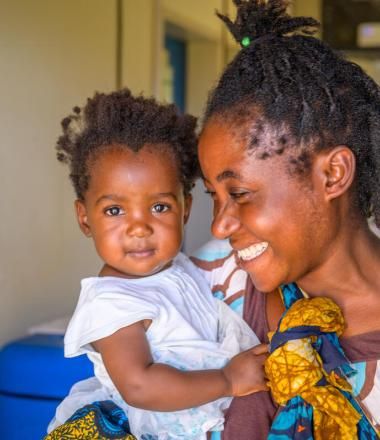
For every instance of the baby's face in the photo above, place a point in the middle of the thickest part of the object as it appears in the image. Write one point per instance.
(135, 210)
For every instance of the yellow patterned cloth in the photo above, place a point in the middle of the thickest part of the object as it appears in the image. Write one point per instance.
(296, 369)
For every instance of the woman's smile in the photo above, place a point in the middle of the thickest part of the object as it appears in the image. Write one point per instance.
(252, 252)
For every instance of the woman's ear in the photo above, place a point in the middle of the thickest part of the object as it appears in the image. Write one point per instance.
(337, 169)
(81, 213)
(187, 208)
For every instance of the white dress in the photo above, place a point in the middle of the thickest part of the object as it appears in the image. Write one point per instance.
(190, 330)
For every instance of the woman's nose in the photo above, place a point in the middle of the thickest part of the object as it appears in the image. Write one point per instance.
(225, 223)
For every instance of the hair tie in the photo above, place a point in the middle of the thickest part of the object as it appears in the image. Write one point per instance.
(247, 41)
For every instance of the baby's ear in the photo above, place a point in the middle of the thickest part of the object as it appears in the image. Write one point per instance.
(187, 209)
(81, 212)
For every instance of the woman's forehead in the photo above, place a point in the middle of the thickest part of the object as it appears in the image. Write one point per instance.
(224, 157)
(252, 137)
(256, 147)
(217, 136)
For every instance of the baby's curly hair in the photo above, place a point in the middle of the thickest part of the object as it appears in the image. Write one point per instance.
(119, 118)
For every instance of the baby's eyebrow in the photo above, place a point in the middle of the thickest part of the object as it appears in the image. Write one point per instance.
(109, 197)
(119, 198)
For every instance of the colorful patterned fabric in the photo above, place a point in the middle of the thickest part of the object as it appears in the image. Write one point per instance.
(308, 371)
(218, 265)
(228, 282)
(100, 420)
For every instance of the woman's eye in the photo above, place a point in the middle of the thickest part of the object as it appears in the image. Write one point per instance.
(114, 211)
(238, 195)
(159, 208)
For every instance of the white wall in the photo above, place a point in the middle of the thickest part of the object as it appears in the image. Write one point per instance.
(205, 59)
(53, 54)
(138, 43)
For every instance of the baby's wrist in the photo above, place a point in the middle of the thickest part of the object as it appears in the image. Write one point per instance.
(229, 392)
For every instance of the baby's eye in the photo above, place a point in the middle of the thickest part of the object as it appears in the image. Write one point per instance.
(159, 208)
(210, 193)
(114, 211)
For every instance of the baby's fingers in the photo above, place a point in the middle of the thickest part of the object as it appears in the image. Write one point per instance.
(260, 349)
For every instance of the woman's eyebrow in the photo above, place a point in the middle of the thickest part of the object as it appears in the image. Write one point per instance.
(227, 174)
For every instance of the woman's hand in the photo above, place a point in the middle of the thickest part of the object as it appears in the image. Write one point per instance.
(245, 371)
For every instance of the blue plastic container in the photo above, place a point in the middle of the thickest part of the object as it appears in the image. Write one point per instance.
(34, 378)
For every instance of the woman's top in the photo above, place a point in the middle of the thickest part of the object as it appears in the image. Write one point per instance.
(250, 417)
(189, 330)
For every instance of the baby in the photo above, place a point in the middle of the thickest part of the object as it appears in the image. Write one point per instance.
(164, 349)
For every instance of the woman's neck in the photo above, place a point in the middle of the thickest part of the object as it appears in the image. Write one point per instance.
(350, 277)
(350, 268)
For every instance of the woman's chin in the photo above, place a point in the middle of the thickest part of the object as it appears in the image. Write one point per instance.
(265, 283)
(264, 287)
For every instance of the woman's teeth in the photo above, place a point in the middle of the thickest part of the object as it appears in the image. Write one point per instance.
(252, 251)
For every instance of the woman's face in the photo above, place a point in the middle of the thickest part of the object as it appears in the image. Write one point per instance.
(275, 220)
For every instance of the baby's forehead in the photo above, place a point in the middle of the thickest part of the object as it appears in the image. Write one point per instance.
(119, 163)
(144, 155)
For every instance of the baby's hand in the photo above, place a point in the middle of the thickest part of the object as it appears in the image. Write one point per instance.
(245, 371)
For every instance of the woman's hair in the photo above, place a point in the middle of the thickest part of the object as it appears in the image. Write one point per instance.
(129, 122)
(310, 95)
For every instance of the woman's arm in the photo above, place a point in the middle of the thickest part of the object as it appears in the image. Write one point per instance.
(144, 384)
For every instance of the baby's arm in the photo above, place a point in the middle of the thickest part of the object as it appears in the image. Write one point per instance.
(144, 384)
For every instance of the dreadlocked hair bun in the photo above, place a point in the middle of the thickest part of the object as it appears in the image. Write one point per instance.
(259, 18)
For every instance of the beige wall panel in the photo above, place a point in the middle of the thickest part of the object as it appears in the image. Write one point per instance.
(199, 82)
(195, 15)
(308, 8)
(138, 45)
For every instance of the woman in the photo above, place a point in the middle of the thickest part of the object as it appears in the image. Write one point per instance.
(290, 154)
